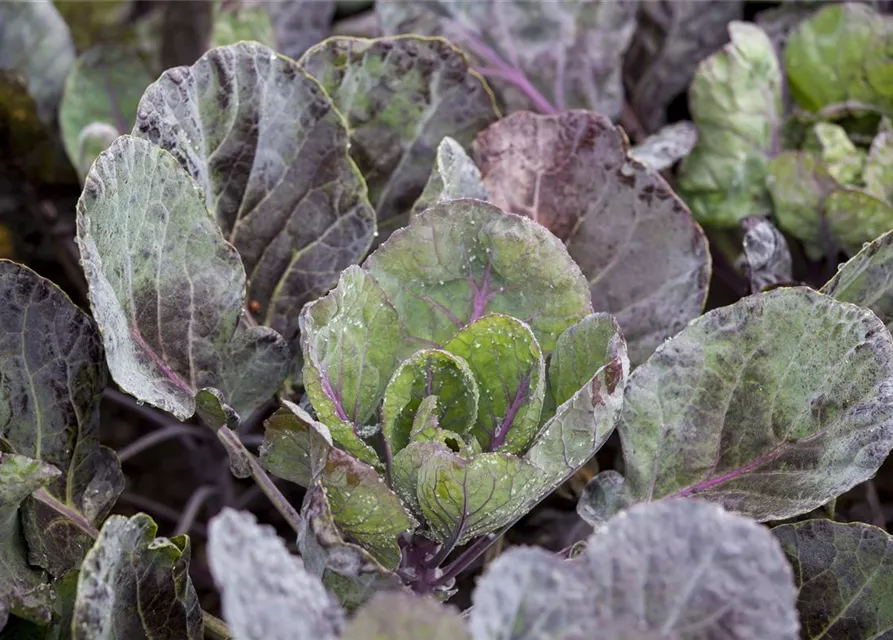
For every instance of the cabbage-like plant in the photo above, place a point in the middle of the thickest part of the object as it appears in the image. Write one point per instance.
(454, 380)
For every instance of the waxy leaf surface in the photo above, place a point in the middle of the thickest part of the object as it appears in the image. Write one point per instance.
(53, 374)
(400, 616)
(844, 573)
(645, 259)
(166, 288)
(771, 406)
(134, 585)
(767, 259)
(666, 147)
(400, 97)
(267, 594)
(463, 259)
(269, 150)
(295, 445)
(454, 176)
(867, 279)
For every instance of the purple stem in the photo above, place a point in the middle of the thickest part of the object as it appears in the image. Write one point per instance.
(503, 429)
(177, 380)
(329, 391)
(481, 294)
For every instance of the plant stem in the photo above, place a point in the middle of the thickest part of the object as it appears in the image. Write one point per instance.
(236, 447)
(73, 515)
(157, 437)
(215, 628)
(192, 508)
(472, 553)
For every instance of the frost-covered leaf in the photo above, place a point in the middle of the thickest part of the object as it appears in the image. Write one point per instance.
(167, 289)
(670, 41)
(24, 590)
(845, 576)
(463, 259)
(855, 217)
(735, 101)
(268, 148)
(767, 260)
(799, 184)
(266, 592)
(295, 445)
(134, 585)
(645, 259)
(103, 88)
(454, 176)
(867, 279)
(300, 24)
(462, 499)
(606, 495)
(53, 374)
(839, 55)
(400, 616)
(511, 373)
(878, 172)
(429, 372)
(237, 20)
(351, 339)
(771, 406)
(346, 569)
(35, 42)
(400, 97)
(666, 147)
(839, 154)
(570, 52)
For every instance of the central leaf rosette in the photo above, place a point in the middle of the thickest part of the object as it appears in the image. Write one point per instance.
(457, 377)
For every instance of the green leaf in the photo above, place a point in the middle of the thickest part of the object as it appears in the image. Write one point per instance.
(167, 289)
(351, 340)
(241, 20)
(295, 445)
(406, 468)
(429, 372)
(454, 176)
(674, 569)
(666, 147)
(510, 370)
(463, 259)
(346, 569)
(799, 184)
(400, 616)
(767, 259)
(840, 156)
(867, 279)
(134, 585)
(735, 100)
(878, 172)
(645, 259)
(268, 148)
(103, 89)
(570, 52)
(400, 97)
(462, 499)
(266, 592)
(841, 55)
(670, 41)
(771, 406)
(856, 217)
(36, 43)
(24, 590)
(845, 576)
(53, 375)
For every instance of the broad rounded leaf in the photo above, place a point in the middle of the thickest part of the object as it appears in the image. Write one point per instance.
(103, 88)
(878, 172)
(400, 97)
(462, 499)
(671, 39)
(53, 374)
(511, 373)
(268, 148)
(400, 616)
(134, 585)
(346, 569)
(429, 372)
(867, 279)
(839, 154)
(645, 259)
(463, 259)
(736, 102)
(351, 339)
(838, 55)
(454, 176)
(855, 217)
(771, 406)
(767, 259)
(167, 289)
(266, 592)
(570, 53)
(845, 576)
(295, 445)
(35, 42)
